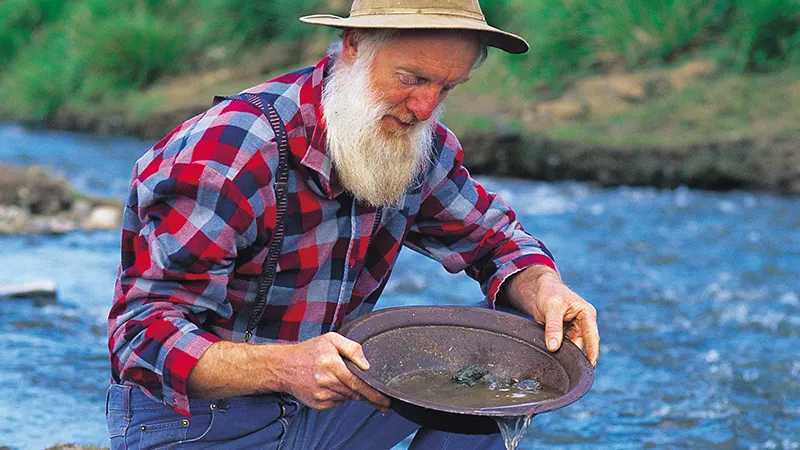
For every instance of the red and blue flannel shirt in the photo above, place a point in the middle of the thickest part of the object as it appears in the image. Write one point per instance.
(200, 214)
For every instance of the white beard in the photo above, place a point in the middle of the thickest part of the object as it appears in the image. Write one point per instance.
(375, 166)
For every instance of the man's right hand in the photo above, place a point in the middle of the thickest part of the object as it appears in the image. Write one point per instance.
(316, 375)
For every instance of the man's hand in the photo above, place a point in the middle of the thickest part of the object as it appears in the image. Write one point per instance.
(317, 376)
(539, 292)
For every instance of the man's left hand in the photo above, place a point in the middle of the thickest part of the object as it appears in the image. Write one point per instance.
(538, 291)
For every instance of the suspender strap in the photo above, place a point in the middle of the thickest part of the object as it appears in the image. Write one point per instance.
(264, 103)
(281, 190)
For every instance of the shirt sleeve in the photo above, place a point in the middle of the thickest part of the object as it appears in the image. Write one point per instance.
(464, 227)
(196, 201)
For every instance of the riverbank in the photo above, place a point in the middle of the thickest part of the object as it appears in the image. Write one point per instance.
(685, 126)
(34, 201)
(637, 136)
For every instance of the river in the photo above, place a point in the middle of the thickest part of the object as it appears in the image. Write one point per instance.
(698, 296)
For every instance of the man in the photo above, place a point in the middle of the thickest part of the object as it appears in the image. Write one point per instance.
(370, 169)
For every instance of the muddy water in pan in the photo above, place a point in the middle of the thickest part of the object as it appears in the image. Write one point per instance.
(437, 386)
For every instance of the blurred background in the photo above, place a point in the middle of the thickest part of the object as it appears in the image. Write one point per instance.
(653, 146)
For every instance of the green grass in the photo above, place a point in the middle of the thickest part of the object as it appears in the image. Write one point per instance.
(69, 53)
(19, 22)
(765, 34)
(572, 38)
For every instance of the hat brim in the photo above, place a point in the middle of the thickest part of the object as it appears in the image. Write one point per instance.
(494, 37)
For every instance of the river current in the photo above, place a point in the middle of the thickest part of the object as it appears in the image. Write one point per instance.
(698, 296)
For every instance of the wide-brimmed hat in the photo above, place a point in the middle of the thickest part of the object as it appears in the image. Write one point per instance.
(422, 14)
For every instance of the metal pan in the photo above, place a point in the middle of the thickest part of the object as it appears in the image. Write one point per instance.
(399, 341)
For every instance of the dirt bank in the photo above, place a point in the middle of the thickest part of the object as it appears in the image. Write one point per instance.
(770, 164)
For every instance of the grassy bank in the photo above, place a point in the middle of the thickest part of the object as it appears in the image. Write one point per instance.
(619, 76)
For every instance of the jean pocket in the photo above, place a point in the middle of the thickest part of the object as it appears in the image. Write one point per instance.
(167, 434)
(161, 435)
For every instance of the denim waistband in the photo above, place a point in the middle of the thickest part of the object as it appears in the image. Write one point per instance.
(130, 397)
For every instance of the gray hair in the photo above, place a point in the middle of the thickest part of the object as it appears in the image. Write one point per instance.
(372, 40)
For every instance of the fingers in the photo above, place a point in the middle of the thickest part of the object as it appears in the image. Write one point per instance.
(329, 386)
(554, 324)
(591, 335)
(364, 392)
(349, 349)
(359, 390)
(583, 332)
(578, 341)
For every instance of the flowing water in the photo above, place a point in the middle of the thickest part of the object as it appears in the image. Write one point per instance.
(697, 293)
(513, 429)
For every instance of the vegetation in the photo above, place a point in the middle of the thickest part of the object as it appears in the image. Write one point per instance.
(572, 38)
(57, 53)
(140, 57)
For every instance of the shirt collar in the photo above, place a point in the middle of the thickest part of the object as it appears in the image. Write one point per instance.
(317, 157)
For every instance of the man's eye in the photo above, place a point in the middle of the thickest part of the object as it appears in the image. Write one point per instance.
(409, 80)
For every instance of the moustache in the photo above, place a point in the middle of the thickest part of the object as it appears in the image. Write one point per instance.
(406, 117)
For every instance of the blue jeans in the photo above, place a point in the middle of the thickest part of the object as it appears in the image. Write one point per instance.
(274, 422)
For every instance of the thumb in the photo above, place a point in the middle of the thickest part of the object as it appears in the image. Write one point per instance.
(554, 327)
(351, 350)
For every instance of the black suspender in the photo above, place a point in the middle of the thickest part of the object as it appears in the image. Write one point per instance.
(281, 190)
(281, 203)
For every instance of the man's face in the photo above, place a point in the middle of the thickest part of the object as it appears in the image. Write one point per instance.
(414, 73)
(380, 104)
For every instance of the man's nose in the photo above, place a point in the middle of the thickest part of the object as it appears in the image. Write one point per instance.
(423, 102)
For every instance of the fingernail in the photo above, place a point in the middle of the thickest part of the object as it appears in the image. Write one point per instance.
(552, 344)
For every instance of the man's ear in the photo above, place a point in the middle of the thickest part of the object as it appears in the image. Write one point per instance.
(349, 46)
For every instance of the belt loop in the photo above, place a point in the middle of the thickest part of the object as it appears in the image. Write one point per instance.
(126, 401)
(287, 400)
(108, 397)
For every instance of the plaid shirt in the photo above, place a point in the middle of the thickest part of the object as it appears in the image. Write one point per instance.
(200, 215)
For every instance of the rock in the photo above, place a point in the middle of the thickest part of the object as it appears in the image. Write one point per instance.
(34, 189)
(615, 93)
(631, 88)
(794, 90)
(690, 73)
(39, 289)
(33, 201)
(13, 219)
(104, 218)
(560, 110)
(610, 62)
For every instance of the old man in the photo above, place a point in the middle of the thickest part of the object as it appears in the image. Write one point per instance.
(253, 231)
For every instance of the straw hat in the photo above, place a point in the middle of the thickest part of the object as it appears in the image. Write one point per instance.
(422, 14)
